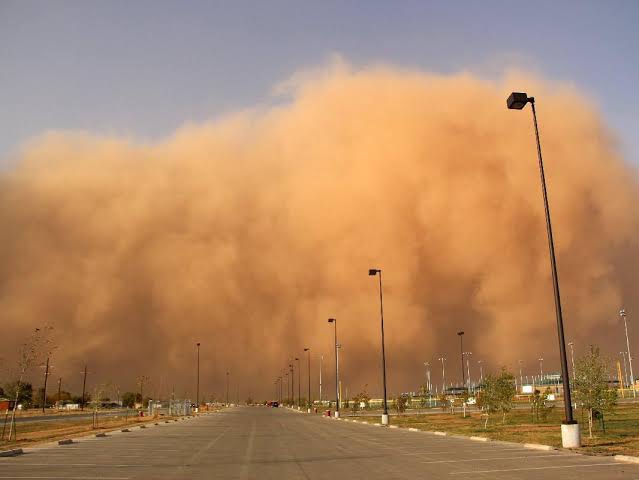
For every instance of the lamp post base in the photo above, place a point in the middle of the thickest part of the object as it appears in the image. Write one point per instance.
(570, 436)
(308, 410)
(384, 418)
(336, 414)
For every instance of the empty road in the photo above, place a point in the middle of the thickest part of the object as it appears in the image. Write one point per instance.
(265, 443)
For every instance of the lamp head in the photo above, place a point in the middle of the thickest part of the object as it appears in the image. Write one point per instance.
(517, 100)
(460, 333)
(622, 312)
(307, 349)
(373, 271)
(331, 320)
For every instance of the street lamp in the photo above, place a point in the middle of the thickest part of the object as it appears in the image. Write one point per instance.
(468, 354)
(442, 359)
(299, 384)
(427, 365)
(292, 370)
(227, 388)
(197, 394)
(572, 359)
(625, 369)
(334, 322)
(570, 428)
(481, 371)
(461, 351)
(308, 400)
(521, 377)
(622, 314)
(372, 272)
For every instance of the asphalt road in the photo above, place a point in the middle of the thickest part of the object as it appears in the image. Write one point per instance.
(264, 443)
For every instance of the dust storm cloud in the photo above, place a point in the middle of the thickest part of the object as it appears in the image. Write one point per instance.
(246, 233)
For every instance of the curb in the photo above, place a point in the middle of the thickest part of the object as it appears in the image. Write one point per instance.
(412, 429)
(537, 446)
(11, 453)
(125, 430)
(443, 434)
(626, 458)
(99, 435)
(480, 439)
(66, 441)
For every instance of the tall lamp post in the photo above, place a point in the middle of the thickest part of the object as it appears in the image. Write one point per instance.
(572, 358)
(622, 314)
(197, 389)
(442, 359)
(308, 369)
(334, 322)
(468, 354)
(372, 272)
(521, 377)
(227, 388)
(292, 371)
(427, 365)
(570, 437)
(625, 370)
(299, 384)
(461, 353)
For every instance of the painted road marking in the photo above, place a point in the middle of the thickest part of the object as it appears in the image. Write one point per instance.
(538, 468)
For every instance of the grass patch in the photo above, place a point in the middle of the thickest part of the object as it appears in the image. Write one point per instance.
(621, 436)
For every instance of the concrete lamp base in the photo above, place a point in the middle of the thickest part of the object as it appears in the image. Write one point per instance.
(384, 418)
(336, 414)
(308, 410)
(570, 437)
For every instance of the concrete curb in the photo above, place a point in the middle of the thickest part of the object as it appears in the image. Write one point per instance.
(443, 434)
(393, 426)
(480, 439)
(66, 441)
(100, 435)
(411, 429)
(626, 458)
(11, 453)
(537, 446)
(124, 430)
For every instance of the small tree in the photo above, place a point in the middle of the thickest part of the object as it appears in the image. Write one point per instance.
(497, 395)
(401, 403)
(128, 399)
(591, 386)
(540, 405)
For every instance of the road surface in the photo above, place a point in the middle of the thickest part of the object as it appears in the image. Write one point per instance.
(264, 443)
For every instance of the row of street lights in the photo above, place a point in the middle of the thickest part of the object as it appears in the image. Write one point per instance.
(569, 428)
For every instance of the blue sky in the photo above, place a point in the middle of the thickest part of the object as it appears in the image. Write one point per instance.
(143, 68)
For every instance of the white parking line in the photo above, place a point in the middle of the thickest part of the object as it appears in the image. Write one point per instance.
(68, 478)
(493, 458)
(537, 468)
